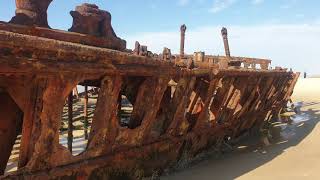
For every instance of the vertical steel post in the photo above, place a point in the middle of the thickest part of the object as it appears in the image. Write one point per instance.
(224, 33)
(85, 111)
(183, 29)
(70, 121)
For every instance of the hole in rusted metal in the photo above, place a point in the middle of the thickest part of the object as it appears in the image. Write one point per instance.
(125, 112)
(127, 101)
(173, 85)
(258, 66)
(6, 51)
(74, 136)
(12, 164)
(53, 16)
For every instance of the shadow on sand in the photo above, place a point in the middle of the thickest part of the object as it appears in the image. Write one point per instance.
(250, 155)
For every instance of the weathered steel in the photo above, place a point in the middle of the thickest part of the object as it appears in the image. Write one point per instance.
(70, 121)
(224, 33)
(181, 105)
(85, 112)
(31, 12)
(89, 19)
(10, 124)
(183, 29)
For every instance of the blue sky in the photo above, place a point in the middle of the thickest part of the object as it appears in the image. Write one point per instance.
(280, 30)
(131, 16)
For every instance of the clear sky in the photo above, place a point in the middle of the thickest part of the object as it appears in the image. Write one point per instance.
(286, 31)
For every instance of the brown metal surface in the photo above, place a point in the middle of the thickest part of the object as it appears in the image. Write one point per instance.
(180, 105)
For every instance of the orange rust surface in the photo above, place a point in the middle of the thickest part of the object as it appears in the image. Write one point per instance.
(180, 106)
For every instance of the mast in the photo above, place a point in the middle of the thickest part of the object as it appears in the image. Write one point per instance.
(224, 33)
(183, 29)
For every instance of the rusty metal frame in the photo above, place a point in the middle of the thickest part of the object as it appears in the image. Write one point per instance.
(177, 107)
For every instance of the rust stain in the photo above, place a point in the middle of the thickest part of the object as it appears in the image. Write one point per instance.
(181, 103)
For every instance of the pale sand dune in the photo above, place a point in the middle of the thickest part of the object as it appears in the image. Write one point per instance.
(296, 156)
(307, 90)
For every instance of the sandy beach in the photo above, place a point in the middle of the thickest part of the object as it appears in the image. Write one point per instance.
(294, 156)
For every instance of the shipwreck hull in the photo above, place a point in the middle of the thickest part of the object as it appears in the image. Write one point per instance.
(177, 110)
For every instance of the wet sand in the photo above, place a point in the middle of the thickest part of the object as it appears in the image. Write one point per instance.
(296, 155)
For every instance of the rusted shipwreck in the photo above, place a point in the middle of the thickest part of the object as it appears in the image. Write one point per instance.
(182, 104)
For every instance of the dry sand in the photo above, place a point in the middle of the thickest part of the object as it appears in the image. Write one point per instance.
(295, 156)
